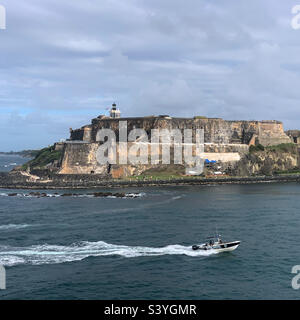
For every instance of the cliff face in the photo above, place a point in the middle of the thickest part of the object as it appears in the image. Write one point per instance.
(271, 133)
(267, 162)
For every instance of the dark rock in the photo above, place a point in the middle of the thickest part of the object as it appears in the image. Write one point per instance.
(120, 195)
(99, 194)
(35, 194)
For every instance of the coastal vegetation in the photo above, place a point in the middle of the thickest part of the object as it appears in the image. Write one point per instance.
(200, 117)
(256, 148)
(269, 160)
(283, 147)
(43, 158)
(295, 171)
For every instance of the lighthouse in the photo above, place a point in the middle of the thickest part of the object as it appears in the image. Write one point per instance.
(114, 112)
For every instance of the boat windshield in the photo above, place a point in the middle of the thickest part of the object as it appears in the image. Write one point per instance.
(216, 238)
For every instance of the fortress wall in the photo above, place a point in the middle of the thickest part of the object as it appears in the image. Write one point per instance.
(223, 157)
(77, 134)
(217, 131)
(272, 133)
(223, 148)
(87, 131)
(294, 135)
(80, 158)
(211, 151)
(243, 131)
(225, 141)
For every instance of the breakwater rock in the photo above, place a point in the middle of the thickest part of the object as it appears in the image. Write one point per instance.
(16, 181)
(76, 195)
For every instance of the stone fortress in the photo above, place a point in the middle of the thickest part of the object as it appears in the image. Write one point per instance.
(224, 141)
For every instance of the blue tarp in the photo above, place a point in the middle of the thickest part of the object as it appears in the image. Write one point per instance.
(210, 161)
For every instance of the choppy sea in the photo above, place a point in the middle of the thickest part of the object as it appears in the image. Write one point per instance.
(140, 248)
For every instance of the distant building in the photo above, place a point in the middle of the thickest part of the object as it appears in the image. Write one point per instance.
(114, 112)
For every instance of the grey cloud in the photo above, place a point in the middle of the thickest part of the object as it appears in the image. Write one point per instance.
(64, 62)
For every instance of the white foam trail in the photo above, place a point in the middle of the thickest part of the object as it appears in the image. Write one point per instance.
(51, 254)
(5, 194)
(14, 226)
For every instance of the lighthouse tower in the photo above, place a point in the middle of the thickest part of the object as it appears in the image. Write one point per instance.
(114, 112)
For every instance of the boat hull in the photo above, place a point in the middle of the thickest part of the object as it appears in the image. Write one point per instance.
(220, 247)
(227, 246)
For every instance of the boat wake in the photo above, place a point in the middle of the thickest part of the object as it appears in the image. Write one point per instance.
(54, 254)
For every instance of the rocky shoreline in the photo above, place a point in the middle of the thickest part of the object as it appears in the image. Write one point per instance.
(18, 181)
(76, 195)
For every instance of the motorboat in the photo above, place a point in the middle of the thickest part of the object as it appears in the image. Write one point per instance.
(217, 244)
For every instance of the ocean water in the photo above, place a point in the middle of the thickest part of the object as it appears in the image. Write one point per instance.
(8, 162)
(110, 248)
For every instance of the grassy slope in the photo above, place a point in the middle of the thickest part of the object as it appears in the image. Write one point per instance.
(43, 157)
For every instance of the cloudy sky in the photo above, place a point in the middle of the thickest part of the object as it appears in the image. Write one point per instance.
(63, 62)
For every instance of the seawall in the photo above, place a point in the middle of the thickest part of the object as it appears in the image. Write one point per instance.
(8, 181)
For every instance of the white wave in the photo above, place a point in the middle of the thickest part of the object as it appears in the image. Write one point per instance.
(52, 254)
(5, 194)
(14, 226)
(9, 165)
(135, 195)
(176, 198)
(143, 206)
(159, 203)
